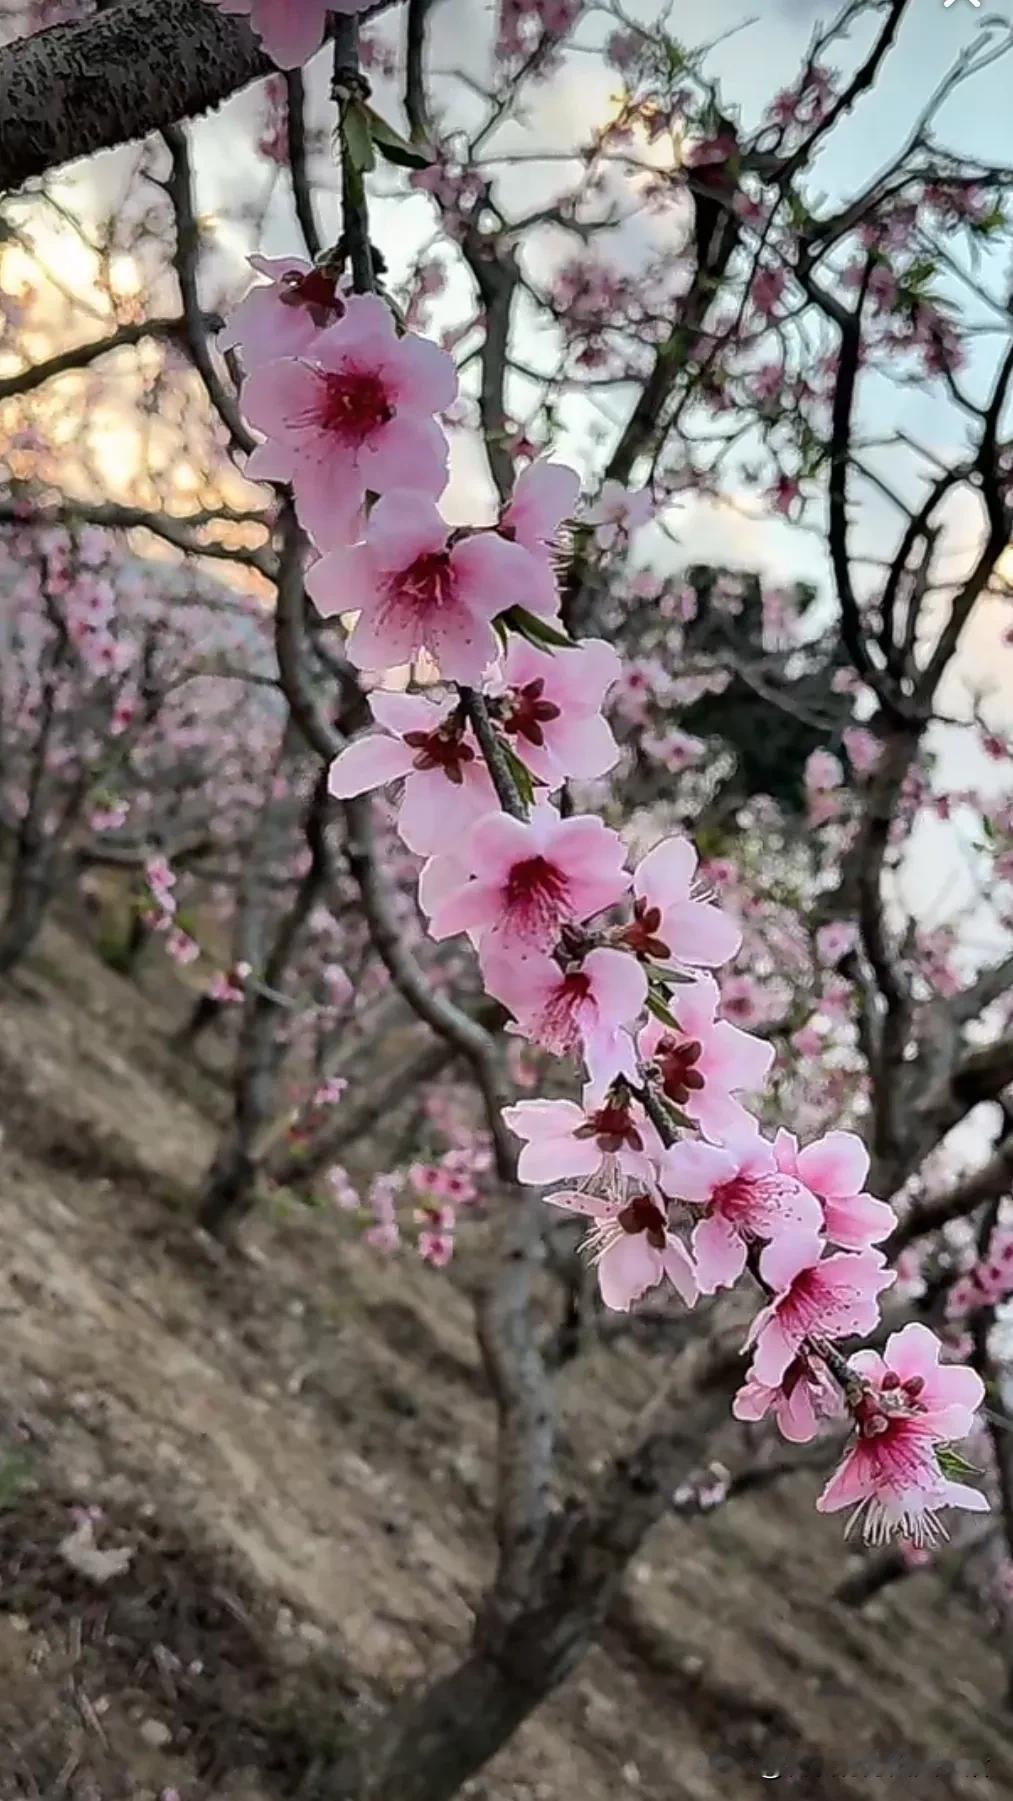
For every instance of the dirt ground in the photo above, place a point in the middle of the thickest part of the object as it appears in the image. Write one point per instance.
(289, 1452)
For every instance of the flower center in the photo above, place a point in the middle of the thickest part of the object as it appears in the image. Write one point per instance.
(443, 749)
(316, 292)
(537, 895)
(558, 1029)
(677, 1060)
(611, 1127)
(354, 405)
(528, 712)
(641, 1214)
(641, 935)
(427, 586)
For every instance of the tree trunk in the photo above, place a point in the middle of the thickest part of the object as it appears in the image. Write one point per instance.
(31, 890)
(228, 1190)
(229, 1187)
(431, 1742)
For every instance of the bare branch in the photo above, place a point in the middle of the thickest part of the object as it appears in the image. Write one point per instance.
(302, 193)
(179, 188)
(85, 354)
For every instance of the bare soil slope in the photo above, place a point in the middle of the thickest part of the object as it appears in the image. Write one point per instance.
(290, 1453)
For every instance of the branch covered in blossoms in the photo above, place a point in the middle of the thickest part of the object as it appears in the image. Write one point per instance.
(605, 966)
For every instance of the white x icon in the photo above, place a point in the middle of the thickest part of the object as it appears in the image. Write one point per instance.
(948, 3)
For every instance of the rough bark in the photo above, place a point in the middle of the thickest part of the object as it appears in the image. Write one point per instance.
(133, 69)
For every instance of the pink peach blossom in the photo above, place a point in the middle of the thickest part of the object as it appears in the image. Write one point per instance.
(798, 1402)
(834, 1168)
(544, 495)
(633, 1246)
(533, 876)
(946, 1396)
(564, 1140)
(414, 588)
(826, 1297)
(358, 417)
(835, 940)
(705, 1062)
(551, 709)
(907, 1405)
(588, 1008)
(283, 316)
(618, 512)
(446, 784)
(745, 1197)
(669, 925)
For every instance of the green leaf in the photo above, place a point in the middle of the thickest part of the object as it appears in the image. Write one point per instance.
(521, 774)
(954, 1465)
(536, 631)
(657, 1006)
(355, 129)
(393, 146)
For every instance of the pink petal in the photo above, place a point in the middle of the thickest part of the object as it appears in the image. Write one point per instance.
(696, 1005)
(856, 1220)
(278, 397)
(720, 1254)
(342, 581)
(849, 1484)
(618, 984)
(290, 34)
(959, 1494)
(556, 1159)
(401, 713)
(424, 377)
(776, 1347)
(574, 1200)
(544, 495)
(462, 646)
(535, 1120)
(499, 842)
(329, 499)
(408, 452)
(365, 332)
(403, 526)
(913, 1351)
(691, 1170)
(369, 763)
(434, 809)
(732, 1057)
(835, 1165)
(786, 1256)
(474, 907)
(493, 573)
(679, 1269)
(697, 932)
(665, 874)
(627, 1269)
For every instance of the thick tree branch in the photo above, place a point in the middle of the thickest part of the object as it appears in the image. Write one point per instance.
(992, 1179)
(127, 71)
(130, 70)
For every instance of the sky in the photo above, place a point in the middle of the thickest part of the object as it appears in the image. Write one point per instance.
(760, 48)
